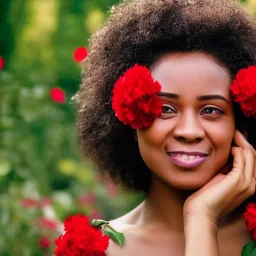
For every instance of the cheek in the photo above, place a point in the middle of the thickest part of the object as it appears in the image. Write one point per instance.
(221, 137)
(155, 136)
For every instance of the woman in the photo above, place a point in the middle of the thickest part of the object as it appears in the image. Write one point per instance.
(194, 159)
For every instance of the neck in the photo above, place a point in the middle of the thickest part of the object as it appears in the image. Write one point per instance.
(163, 208)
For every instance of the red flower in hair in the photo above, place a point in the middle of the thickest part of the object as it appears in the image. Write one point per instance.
(244, 90)
(250, 218)
(81, 239)
(135, 99)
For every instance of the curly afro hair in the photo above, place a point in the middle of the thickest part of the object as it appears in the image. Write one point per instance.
(141, 31)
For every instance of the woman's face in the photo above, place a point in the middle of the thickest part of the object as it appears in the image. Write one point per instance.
(190, 142)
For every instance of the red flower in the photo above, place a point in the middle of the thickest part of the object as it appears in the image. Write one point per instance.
(47, 223)
(1, 62)
(250, 218)
(44, 242)
(81, 239)
(135, 99)
(244, 90)
(29, 203)
(80, 54)
(58, 95)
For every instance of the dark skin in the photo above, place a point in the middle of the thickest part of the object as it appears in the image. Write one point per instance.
(182, 199)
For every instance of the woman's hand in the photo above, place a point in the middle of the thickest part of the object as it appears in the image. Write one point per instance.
(225, 192)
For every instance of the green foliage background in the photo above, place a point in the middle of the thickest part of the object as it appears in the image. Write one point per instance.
(39, 156)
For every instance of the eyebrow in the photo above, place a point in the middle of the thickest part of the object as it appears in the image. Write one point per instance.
(201, 98)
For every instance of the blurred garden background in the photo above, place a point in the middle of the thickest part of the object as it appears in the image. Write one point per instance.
(43, 177)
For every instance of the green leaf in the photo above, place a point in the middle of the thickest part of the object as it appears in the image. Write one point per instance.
(249, 249)
(114, 235)
(97, 223)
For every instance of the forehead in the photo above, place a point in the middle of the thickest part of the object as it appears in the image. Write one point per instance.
(193, 72)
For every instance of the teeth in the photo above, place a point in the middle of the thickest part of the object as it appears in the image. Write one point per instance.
(186, 157)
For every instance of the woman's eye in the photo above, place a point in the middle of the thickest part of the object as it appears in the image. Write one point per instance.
(167, 109)
(167, 112)
(212, 111)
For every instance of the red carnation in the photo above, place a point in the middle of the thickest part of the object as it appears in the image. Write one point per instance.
(135, 99)
(250, 218)
(80, 54)
(244, 90)
(58, 95)
(81, 239)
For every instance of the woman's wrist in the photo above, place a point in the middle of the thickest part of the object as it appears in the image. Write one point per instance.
(200, 236)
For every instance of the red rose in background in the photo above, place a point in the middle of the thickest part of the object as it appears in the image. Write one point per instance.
(250, 218)
(44, 242)
(29, 203)
(81, 239)
(135, 99)
(47, 223)
(244, 90)
(58, 95)
(1, 62)
(80, 54)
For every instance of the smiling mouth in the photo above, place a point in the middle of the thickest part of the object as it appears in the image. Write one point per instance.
(187, 161)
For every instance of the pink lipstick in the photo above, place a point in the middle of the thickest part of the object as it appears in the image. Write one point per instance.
(186, 162)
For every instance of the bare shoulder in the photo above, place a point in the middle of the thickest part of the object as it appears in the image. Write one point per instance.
(129, 231)
(140, 241)
(135, 235)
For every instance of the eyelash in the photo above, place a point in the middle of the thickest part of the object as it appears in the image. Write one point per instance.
(220, 112)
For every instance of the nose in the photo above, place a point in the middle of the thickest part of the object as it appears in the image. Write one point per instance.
(188, 127)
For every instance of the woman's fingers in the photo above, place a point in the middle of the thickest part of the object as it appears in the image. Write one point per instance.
(250, 155)
(238, 162)
(241, 141)
(249, 170)
(243, 168)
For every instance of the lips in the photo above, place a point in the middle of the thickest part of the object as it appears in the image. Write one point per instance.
(187, 159)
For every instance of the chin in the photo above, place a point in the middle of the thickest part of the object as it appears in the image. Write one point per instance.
(188, 184)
